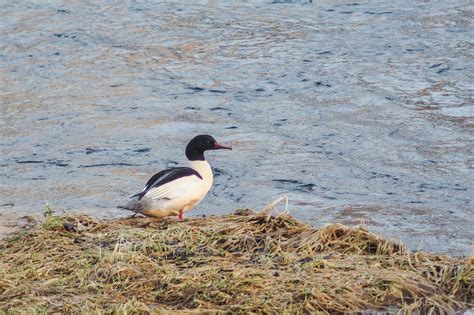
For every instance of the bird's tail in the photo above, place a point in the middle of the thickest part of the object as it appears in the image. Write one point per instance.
(132, 205)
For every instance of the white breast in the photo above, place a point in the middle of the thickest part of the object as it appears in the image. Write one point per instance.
(204, 169)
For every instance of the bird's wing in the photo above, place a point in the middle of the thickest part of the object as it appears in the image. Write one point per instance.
(169, 183)
(184, 187)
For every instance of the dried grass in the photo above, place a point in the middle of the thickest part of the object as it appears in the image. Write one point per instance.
(244, 262)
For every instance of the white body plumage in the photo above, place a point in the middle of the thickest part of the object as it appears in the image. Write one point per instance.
(179, 195)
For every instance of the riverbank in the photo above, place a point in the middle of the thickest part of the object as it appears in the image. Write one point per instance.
(243, 262)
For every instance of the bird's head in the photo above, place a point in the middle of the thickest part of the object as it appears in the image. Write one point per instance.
(196, 147)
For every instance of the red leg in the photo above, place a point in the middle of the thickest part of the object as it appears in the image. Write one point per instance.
(180, 217)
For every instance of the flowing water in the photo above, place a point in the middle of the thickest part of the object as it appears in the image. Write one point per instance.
(356, 111)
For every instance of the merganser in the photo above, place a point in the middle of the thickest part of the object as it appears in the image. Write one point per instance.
(177, 190)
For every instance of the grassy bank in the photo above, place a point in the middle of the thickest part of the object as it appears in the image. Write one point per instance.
(246, 261)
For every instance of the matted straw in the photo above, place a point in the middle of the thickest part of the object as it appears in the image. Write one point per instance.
(262, 262)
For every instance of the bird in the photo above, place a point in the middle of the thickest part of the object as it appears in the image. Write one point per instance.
(177, 190)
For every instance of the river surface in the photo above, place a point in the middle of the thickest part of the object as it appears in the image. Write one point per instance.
(357, 111)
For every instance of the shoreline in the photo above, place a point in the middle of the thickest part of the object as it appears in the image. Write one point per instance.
(12, 223)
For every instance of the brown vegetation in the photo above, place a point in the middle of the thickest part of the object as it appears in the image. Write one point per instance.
(244, 262)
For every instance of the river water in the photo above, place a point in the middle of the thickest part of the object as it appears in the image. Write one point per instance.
(356, 111)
